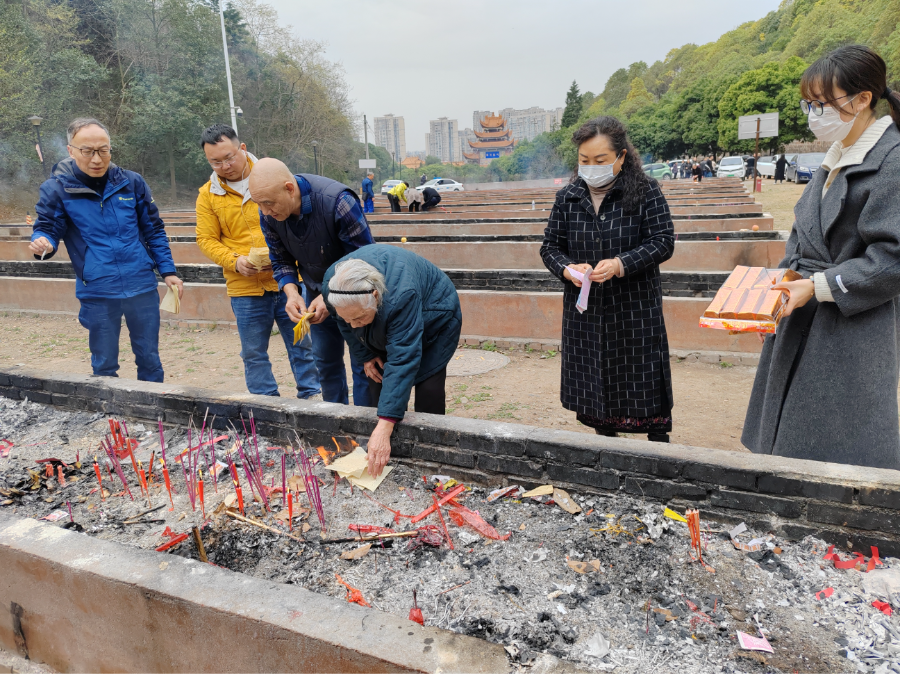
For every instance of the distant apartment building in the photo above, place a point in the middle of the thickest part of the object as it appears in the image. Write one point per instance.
(523, 124)
(390, 133)
(442, 140)
(465, 136)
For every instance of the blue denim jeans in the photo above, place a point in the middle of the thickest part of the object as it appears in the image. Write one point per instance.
(103, 320)
(368, 205)
(255, 316)
(328, 345)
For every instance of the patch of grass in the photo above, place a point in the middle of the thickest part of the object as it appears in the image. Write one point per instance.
(190, 369)
(488, 346)
(450, 410)
(480, 397)
(505, 412)
(193, 348)
(462, 387)
(725, 365)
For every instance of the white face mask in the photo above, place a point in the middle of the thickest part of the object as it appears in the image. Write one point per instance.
(597, 175)
(829, 126)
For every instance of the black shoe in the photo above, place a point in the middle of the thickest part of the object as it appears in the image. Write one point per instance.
(658, 437)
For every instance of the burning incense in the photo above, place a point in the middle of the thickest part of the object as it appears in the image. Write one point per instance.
(69, 506)
(162, 441)
(200, 492)
(143, 475)
(290, 510)
(111, 452)
(283, 478)
(129, 447)
(312, 485)
(60, 477)
(237, 485)
(165, 472)
(99, 478)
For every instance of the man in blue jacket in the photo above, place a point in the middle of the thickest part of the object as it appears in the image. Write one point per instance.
(115, 240)
(311, 222)
(368, 193)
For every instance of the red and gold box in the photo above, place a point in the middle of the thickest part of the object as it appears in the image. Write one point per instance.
(746, 302)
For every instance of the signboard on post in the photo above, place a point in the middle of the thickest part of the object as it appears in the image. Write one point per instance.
(764, 125)
(366, 163)
(768, 126)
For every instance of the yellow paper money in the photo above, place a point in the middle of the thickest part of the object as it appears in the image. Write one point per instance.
(672, 515)
(301, 330)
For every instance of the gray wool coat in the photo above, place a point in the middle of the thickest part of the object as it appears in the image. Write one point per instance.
(826, 387)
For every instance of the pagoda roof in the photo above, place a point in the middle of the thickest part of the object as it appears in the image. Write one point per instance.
(495, 134)
(471, 156)
(493, 122)
(486, 145)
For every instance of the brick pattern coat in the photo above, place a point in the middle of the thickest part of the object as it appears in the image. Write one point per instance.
(615, 355)
(826, 386)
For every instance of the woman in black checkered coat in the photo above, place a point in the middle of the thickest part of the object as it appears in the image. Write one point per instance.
(612, 222)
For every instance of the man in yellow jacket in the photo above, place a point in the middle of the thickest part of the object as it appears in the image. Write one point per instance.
(395, 194)
(227, 228)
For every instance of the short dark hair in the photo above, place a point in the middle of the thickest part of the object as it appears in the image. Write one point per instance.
(216, 133)
(82, 122)
(406, 183)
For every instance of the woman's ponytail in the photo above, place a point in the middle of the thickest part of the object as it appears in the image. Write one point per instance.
(893, 99)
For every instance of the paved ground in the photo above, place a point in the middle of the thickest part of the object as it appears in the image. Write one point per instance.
(710, 400)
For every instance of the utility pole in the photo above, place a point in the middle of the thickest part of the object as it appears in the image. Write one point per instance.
(366, 135)
(227, 66)
(756, 155)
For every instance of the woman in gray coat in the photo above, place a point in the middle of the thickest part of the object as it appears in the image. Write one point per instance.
(826, 387)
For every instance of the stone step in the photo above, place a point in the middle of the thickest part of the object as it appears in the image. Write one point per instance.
(676, 284)
(493, 314)
(723, 255)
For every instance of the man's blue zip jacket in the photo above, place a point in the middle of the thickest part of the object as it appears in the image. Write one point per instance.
(114, 241)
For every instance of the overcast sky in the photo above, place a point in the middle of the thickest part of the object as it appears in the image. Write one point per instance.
(447, 58)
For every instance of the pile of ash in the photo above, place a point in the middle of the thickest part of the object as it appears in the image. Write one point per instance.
(608, 582)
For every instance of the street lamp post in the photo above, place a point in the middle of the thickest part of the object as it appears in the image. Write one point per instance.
(315, 147)
(393, 170)
(231, 106)
(36, 123)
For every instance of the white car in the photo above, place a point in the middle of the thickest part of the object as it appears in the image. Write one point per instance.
(444, 185)
(731, 167)
(766, 166)
(389, 185)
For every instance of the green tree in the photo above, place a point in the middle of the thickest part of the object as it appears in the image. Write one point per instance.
(431, 159)
(772, 88)
(573, 106)
(638, 97)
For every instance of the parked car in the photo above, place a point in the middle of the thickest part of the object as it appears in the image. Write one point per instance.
(766, 166)
(658, 171)
(802, 167)
(731, 167)
(388, 185)
(444, 185)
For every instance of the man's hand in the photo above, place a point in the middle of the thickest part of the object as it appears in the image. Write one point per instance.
(295, 306)
(799, 293)
(380, 447)
(41, 246)
(584, 268)
(318, 307)
(175, 283)
(245, 268)
(372, 371)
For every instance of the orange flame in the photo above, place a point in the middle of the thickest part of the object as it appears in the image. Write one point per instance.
(327, 457)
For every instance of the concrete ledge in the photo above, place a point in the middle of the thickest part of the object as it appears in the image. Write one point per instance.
(164, 613)
(840, 503)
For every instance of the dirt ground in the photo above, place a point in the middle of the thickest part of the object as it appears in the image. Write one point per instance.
(525, 391)
(779, 201)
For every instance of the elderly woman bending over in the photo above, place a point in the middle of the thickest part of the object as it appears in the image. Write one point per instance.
(401, 317)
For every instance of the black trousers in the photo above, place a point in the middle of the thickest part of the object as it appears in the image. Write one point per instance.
(431, 203)
(413, 206)
(431, 394)
(395, 203)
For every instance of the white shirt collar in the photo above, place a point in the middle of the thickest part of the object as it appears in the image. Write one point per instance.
(839, 156)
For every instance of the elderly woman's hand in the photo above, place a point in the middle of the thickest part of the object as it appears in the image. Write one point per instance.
(373, 369)
(380, 447)
(605, 270)
(584, 268)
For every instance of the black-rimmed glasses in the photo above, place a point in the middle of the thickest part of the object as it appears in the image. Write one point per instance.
(816, 107)
(89, 152)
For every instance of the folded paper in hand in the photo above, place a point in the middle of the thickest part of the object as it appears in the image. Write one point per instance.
(171, 302)
(259, 257)
(354, 467)
(301, 330)
(585, 279)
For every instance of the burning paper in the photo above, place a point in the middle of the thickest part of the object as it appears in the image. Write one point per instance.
(749, 643)
(355, 468)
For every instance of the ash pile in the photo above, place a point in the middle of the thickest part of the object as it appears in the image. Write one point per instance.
(606, 581)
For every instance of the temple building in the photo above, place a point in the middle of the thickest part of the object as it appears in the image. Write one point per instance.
(493, 141)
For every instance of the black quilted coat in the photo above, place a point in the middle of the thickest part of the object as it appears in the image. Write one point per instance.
(615, 356)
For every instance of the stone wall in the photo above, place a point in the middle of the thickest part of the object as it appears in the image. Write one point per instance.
(845, 505)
